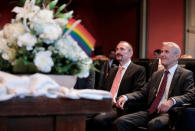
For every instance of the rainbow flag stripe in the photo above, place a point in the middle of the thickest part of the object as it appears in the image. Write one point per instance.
(82, 36)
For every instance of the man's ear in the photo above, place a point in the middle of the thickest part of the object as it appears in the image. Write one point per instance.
(177, 56)
(131, 54)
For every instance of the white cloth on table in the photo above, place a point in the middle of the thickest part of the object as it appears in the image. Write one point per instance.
(42, 85)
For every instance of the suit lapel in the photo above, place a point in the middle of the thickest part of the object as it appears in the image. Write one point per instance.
(128, 72)
(174, 80)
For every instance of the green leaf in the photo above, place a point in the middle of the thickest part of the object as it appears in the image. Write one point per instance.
(53, 4)
(61, 15)
(21, 2)
(65, 15)
(5, 65)
(95, 69)
(61, 8)
(24, 67)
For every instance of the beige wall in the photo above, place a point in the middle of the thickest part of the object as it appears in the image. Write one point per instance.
(190, 28)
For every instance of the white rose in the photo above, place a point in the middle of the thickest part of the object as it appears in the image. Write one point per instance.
(37, 27)
(9, 54)
(85, 67)
(3, 44)
(13, 31)
(61, 22)
(70, 49)
(78, 51)
(51, 32)
(44, 16)
(27, 40)
(43, 61)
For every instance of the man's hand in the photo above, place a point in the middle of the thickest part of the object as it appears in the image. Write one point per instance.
(165, 106)
(120, 102)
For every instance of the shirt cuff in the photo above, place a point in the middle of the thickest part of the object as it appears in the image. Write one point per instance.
(125, 97)
(174, 101)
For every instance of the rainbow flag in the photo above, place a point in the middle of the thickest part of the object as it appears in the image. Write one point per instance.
(82, 36)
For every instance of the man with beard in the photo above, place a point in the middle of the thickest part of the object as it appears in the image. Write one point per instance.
(171, 86)
(125, 78)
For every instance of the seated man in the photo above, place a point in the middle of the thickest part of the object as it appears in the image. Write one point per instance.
(169, 87)
(126, 78)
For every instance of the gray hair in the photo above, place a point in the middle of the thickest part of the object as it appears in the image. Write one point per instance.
(128, 44)
(174, 45)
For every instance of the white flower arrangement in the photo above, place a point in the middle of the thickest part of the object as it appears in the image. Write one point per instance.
(34, 42)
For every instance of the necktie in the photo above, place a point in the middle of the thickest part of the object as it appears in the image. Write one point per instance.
(116, 81)
(161, 91)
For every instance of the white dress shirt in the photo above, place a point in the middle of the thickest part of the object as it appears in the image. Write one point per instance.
(169, 80)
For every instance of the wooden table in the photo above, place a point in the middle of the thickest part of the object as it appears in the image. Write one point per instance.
(44, 114)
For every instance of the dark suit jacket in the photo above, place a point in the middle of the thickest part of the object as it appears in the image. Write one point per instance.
(181, 88)
(133, 79)
(114, 63)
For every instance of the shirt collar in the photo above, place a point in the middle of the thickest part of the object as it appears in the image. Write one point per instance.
(126, 64)
(172, 69)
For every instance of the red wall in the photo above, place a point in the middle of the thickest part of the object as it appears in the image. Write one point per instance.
(5, 12)
(109, 22)
(165, 23)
